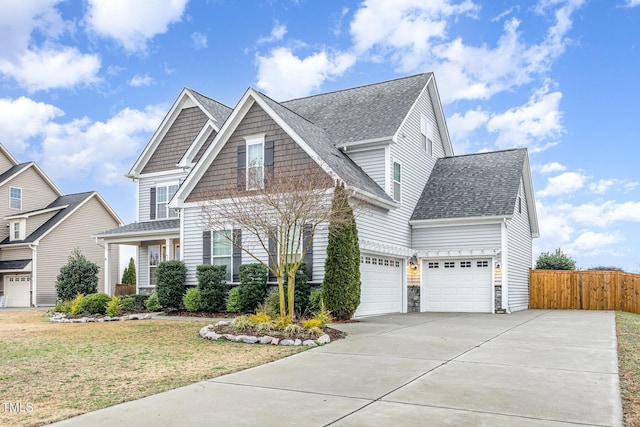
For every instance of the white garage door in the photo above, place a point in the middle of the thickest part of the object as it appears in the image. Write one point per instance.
(381, 285)
(457, 285)
(17, 291)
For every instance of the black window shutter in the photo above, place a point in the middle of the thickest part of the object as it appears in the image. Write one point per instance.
(152, 204)
(206, 247)
(308, 257)
(272, 257)
(237, 254)
(268, 159)
(242, 167)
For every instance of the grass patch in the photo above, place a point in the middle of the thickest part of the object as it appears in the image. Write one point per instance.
(66, 369)
(628, 329)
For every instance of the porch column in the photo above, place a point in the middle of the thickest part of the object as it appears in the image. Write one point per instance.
(169, 249)
(107, 275)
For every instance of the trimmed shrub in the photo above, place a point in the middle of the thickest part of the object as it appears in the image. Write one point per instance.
(171, 277)
(63, 306)
(271, 305)
(311, 323)
(114, 307)
(76, 304)
(233, 302)
(257, 318)
(78, 276)
(212, 286)
(191, 300)
(315, 301)
(95, 303)
(141, 301)
(152, 303)
(127, 303)
(341, 286)
(253, 285)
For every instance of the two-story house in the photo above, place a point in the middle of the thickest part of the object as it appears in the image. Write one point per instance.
(437, 232)
(41, 228)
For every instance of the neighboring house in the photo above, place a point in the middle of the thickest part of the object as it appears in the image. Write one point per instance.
(41, 229)
(437, 232)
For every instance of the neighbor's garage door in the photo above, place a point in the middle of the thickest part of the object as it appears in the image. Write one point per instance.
(17, 291)
(381, 285)
(457, 285)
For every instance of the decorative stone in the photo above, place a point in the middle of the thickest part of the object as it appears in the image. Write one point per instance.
(309, 343)
(211, 336)
(249, 339)
(147, 316)
(287, 342)
(222, 323)
(297, 342)
(266, 339)
(324, 339)
(275, 341)
(204, 330)
(107, 318)
(229, 337)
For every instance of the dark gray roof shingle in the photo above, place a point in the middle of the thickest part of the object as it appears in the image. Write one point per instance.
(362, 113)
(142, 227)
(220, 112)
(320, 142)
(13, 170)
(475, 185)
(71, 201)
(16, 264)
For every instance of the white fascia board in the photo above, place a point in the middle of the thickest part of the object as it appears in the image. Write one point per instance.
(104, 203)
(430, 223)
(6, 152)
(141, 236)
(374, 200)
(366, 144)
(187, 159)
(34, 213)
(531, 202)
(439, 112)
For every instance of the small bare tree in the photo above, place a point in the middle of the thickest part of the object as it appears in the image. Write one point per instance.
(283, 208)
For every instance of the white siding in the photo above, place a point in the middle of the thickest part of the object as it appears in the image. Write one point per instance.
(372, 162)
(142, 266)
(34, 222)
(519, 243)
(192, 244)
(144, 186)
(481, 236)
(392, 226)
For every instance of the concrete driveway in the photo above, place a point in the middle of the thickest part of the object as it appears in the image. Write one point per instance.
(532, 368)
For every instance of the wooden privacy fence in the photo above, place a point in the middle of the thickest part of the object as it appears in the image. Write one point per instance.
(125, 289)
(584, 290)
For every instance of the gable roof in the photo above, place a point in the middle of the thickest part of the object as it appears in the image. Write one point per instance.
(477, 186)
(65, 205)
(7, 154)
(216, 113)
(146, 227)
(362, 113)
(16, 170)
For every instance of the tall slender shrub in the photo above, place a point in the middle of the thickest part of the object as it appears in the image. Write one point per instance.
(171, 277)
(341, 286)
(129, 274)
(212, 286)
(78, 276)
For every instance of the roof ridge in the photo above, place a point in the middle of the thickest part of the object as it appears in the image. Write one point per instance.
(485, 152)
(357, 87)
(208, 97)
(289, 110)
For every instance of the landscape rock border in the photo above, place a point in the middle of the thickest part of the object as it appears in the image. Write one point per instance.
(63, 318)
(208, 333)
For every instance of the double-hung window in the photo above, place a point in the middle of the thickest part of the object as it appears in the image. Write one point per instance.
(294, 245)
(15, 198)
(222, 251)
(164, 194)
(255, 163)
(397, 181)
(426, 134)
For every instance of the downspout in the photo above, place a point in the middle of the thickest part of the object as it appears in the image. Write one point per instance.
(505, 266)
(34, 274)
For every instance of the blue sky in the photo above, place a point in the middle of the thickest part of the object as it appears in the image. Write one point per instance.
(83, 85)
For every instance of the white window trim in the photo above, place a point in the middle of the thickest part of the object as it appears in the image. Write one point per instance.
(229, 273)
(149, 267)
(22, 225)
(10, 198)
(254, 140)
(426, 129)
(393, 179)
(167, 213)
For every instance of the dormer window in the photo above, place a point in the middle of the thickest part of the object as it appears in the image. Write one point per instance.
(15, 198)
(17, 229)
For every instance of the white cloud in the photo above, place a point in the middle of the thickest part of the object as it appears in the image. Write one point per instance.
(102, 150)
(461, 127)
(138, 80)
(602, 186)
(22, 119)
(552, 167)
(277, 33)
(276, 69)
(132, 24)
(530, 125)
(65, 68)
(590, 243)
(632, 3)
(565, 183)
(199, 40)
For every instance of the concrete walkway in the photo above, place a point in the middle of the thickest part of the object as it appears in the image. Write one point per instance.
(532, 368)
